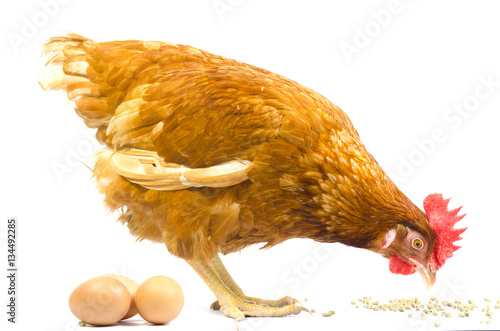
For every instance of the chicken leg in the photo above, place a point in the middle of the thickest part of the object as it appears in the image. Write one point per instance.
(233, 302)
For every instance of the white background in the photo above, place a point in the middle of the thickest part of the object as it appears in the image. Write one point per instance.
(410, 69)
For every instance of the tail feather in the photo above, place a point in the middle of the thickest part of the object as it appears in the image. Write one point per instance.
(78, 66)
(105, 83)
(58, 49)
(69, 68)
(52, 77)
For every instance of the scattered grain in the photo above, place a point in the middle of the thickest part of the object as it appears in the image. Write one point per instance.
(329, 313)
(433, 307)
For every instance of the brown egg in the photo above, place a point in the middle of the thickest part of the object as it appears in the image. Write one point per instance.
(159, 299)
(100, 301)
(131, 286)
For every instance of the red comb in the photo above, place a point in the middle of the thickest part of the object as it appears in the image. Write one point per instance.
(442, 221)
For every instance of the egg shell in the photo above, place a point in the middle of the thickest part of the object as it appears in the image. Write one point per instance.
(131, 286)
(100, 301)
(159, 299)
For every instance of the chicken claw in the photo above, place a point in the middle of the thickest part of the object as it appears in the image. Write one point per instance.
(238, 309)
(285, 301)
(233, 302)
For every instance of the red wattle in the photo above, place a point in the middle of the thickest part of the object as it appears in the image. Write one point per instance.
(399, 266)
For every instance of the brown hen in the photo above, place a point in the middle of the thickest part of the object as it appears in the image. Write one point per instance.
(209, 155)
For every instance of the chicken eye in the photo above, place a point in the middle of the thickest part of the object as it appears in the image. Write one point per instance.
(417, 243)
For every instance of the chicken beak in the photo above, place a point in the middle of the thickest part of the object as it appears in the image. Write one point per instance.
(428, 273)
(428, 277)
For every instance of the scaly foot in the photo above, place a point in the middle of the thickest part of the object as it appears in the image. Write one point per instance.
(233, 302)
(235, 308)
(285, 301)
